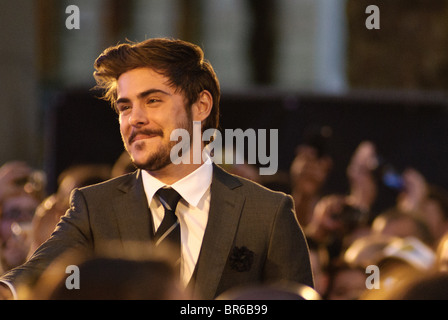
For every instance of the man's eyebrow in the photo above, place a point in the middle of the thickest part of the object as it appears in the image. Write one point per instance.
(142, 95)
(146, 93)
(122, 100)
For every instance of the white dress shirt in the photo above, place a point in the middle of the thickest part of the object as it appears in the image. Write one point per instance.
(192, 211)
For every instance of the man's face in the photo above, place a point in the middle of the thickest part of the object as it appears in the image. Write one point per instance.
(149, 110)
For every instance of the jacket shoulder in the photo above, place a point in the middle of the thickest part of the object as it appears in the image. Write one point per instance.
(246, 185)
(123, 182)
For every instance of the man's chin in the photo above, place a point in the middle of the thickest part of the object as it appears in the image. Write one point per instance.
(152, 164)
(153, 158)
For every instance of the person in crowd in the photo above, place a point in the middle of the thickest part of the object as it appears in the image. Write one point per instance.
(393, 274)
(139, 273)
(435, 211)
(226, 230)
(50, 211)
(430, 286)
(47, 215)
(402, 260)
(335, 224)
(360, 173)
(367, 250)
(271, 291)
(394, 222)
(13, 176)
(21, 191)
(346, 282)
(428, 200)
(319, 262)
(308, 173)
(442, 254)
(16, 214)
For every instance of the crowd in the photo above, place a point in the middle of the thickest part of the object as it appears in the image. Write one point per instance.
(28, 215)
(356, 253)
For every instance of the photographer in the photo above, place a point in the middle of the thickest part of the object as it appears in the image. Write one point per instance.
(335, 223)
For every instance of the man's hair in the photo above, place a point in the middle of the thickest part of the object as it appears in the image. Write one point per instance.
(181, 62)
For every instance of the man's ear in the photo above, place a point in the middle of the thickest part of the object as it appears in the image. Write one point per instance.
(202, 107)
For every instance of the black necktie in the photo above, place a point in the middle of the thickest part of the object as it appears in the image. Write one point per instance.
(169, 230)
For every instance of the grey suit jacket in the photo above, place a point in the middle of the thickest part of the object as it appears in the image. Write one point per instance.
(252, 234)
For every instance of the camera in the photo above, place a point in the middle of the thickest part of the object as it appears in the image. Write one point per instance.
(351, 217)
(388, 175)
(392, 179)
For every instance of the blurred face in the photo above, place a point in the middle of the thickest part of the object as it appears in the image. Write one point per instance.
(348, 285)
(17, 215)
(18, 209)
(149, 110)
(308, 171)
(403, 227)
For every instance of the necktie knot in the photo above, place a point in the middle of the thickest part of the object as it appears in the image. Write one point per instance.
(169, 198)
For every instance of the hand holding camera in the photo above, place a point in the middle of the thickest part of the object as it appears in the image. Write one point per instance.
(334, 215)
(414, 190)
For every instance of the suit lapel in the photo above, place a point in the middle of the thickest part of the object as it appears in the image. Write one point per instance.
(134, 222)
(225, 209)
(132, 212)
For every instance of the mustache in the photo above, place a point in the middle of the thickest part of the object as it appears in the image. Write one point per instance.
(146, 132)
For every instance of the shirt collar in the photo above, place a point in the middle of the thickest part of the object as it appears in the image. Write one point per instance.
(191, 187)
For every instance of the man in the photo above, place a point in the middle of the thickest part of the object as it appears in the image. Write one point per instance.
(233, 232)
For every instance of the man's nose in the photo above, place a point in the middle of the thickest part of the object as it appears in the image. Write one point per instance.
(138, 116)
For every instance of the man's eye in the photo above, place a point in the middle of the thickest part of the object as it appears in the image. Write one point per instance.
(152, 100)
(123, 108)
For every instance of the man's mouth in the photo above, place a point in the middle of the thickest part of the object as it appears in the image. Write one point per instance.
(137, 136)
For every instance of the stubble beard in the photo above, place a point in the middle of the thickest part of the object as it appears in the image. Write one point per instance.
(161, 158)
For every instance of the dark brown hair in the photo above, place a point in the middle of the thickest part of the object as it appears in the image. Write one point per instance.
(181, 62)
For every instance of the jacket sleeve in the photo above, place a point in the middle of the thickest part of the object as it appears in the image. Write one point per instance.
(72, 232)
(288, 254)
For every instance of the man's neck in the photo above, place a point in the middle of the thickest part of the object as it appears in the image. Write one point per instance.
(173, 172)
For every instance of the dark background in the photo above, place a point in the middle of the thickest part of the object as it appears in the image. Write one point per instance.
(409, 129)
